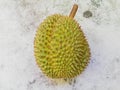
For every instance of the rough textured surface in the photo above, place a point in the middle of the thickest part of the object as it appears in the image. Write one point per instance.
(60, 47)
(18, 23)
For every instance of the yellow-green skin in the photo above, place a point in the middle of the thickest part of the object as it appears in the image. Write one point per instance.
(60, 47)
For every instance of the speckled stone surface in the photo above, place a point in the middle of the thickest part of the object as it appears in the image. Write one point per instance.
(19, 20)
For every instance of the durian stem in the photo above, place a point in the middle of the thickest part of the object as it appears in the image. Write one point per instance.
(73, 11)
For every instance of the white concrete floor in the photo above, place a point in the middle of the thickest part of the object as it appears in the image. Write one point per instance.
(19, 20)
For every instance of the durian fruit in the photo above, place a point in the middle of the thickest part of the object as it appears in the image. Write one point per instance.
(60, 47)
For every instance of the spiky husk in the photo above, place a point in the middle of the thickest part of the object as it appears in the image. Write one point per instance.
(60, 47)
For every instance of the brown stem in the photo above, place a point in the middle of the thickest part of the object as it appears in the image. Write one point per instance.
(73, 11)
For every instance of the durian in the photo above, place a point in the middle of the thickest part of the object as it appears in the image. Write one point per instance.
(60, 47)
